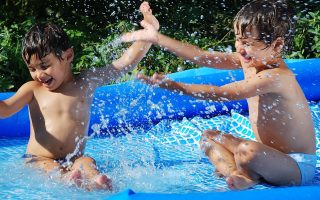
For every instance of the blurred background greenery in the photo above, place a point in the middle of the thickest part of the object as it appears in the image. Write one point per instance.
(92, 25)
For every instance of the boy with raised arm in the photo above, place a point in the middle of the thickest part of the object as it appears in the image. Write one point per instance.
(284, 150)
(59, 102)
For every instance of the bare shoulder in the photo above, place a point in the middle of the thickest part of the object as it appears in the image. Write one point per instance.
(33, 84)
(276, 73)
(281, 81)
(30, 86)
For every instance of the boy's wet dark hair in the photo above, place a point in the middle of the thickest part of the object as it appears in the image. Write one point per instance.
(43, 39)
(270, 18)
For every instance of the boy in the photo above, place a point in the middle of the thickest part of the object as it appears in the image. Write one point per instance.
(284, 153)
(59, 102)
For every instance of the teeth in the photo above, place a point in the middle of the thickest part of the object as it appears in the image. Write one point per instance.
(47, 81)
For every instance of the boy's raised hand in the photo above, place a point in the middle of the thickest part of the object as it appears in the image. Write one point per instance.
(148, 34)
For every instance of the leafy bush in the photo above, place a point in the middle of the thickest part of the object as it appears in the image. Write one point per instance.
(94, 25)
(307, 37)
(12, 68)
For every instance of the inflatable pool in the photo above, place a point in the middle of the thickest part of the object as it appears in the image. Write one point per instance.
(127, 107)
(123, 107)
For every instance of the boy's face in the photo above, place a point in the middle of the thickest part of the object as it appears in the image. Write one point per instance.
(50, 71)
(254, 52)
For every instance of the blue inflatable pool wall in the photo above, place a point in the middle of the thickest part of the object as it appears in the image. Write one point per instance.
(130, 105)
(126, 106)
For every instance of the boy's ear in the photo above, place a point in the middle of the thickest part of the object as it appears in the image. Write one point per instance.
(278, 44)
(69, 54)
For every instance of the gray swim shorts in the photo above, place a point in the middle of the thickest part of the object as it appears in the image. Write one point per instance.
(307, 165)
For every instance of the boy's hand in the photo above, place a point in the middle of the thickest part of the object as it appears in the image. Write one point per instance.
(156, 80)
(148, 34)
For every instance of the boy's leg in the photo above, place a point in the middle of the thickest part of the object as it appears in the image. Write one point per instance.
(255, 160)
(95, 180)
(50, 165)
(227, 140)
(45, 164)
(148, 16)
(219, 156)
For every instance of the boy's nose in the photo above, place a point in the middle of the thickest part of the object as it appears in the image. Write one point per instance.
(41, 75)
(240, 49)
(238, 46)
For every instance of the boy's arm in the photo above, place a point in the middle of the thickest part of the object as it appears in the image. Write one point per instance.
(128, 61)
(187, 51)
(130, 58)
(221, 60)
(260, 84)
(16, 102)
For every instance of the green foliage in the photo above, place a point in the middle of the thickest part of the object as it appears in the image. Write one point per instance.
(101, 53)
(307, 37)
(12, 68)
(93, 26)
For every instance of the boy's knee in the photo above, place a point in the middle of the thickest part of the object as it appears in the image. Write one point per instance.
(88, 159)
(85, 160)
(246, 152)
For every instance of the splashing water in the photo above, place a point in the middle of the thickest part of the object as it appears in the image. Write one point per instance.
(164, 159)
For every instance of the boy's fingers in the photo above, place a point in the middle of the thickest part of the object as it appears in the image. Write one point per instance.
(159, 76)
(155, 76)
(126, 37)
(145, 24)
(141, 76)
(130, 37)
(144, 78)
(149, 80)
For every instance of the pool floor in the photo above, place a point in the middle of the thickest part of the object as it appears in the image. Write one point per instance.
(130, 162)
(165, 159)
(126, 162)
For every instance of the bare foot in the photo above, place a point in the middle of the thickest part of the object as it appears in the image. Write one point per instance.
(220, 157)
(76, 177)
(218, 173)
(148, 16)
(211, 134)
(102, 182)
(239, 182)
(207, 135)
(205, 146)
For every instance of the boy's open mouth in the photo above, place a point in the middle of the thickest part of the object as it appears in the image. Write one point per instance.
(47, 82)
(246, 58)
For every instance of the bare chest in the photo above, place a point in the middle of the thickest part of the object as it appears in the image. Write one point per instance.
(61, 105)
(60, 113)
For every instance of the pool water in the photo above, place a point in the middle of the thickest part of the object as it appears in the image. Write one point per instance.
(164, 159)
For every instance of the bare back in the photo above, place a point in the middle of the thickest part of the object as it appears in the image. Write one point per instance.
(282, 118)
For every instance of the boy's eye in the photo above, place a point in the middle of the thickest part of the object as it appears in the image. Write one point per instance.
(247, 44)
(44, 66)
(32, 70)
